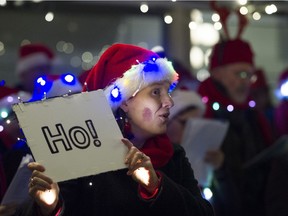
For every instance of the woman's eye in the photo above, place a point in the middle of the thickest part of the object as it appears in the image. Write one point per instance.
(156, 92)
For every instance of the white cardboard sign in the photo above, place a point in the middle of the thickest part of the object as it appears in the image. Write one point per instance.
(73, 136)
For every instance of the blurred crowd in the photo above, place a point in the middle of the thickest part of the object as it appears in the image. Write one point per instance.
(236, 92)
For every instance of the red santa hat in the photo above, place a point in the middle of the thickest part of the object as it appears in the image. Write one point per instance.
(184, 99)
(231, 51)
(125, 69)
(32, 55)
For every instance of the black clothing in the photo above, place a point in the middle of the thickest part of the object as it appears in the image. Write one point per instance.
(116, 193)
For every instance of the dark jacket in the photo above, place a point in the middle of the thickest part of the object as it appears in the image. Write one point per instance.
(116, 193)
(238, 189)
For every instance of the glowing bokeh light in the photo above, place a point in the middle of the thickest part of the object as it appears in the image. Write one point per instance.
(144, 8)
(196, 57)
(87, 57)
(143, 175)
(252, 103)
(202, 74)
(284, 89)
(41, 81)
(230, 108)
(3, 2)
(256, 16)
(215, 17)
(69, 78)
(217, 26)
(270, 9)
(115, 93)
(1, 128)
(10, 99)
(192, 25)
(244, 10)
(242, 2)
(168, 19)
(4, 114)
(207, 193)
(48, 196)
(205, 99)
(204, 34)
(216, 106)
(49, 16)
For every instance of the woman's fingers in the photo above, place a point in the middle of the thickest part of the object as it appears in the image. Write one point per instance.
(127, 142)
(36, 166)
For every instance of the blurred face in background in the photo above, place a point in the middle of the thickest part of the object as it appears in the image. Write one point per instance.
(236, 78)
(176, 126)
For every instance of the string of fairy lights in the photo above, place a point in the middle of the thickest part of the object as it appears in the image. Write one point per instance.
(203, 34)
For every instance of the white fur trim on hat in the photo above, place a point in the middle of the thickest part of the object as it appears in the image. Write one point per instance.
(184, 99)
(30, 61)
(136, 78)
(59, 88)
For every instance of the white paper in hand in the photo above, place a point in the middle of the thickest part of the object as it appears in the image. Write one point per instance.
(201, 135)
(73, 136)
(17, 191)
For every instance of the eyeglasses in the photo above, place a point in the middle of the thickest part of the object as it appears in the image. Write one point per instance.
(245, 75)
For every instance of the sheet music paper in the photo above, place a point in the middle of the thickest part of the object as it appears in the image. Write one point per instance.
(201, 135)
(17, 191)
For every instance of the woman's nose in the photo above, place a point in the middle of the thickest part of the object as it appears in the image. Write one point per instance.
(167, 101)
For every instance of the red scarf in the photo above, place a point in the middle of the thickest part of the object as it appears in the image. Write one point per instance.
(208, 88)
(159, 149)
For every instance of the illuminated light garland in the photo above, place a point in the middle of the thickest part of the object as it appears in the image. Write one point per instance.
(205, 99)
(216, 106)
(252, 103)
(115, 94)
(68, 79)
(138, 77)
(284, 89)
(4, 114)
(230, 108)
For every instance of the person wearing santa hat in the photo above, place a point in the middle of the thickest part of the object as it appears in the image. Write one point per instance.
(188, 105)
(137, 84)
(35, 60)
(237, 189)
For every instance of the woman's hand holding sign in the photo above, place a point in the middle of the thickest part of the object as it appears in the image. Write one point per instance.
(43, 189)
(140, 167)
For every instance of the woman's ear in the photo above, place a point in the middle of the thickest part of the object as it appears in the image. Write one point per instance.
(124, 106)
